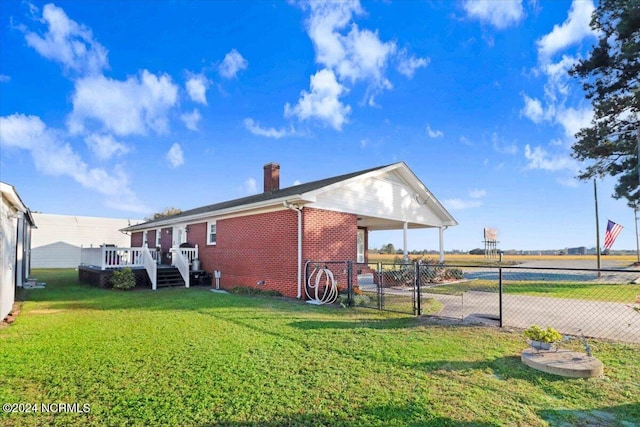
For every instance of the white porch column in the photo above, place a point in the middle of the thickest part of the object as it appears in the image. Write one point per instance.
(405, 252)
(441, 232)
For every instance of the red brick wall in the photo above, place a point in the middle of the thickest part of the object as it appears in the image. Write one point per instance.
(264, 247)
(330, 236)
(252, 249)
(136, 239)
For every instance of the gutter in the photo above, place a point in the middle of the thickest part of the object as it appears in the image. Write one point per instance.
(298, 209)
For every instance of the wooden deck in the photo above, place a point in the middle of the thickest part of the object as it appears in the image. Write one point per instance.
(96, 277)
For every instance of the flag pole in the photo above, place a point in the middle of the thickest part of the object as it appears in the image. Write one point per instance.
(595, 196)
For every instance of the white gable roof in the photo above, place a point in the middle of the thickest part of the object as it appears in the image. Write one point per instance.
(384, 197)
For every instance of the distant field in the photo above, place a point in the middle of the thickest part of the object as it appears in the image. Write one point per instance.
(508, 259)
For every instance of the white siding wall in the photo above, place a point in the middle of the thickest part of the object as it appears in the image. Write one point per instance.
(388, 197)
(8, 227)
(57, 241)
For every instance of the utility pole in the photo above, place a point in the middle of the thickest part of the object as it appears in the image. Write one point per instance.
(595, 196)
(635, 207)
(635, 214)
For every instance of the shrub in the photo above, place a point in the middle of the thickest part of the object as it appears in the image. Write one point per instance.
(123, 279)
(362, 299)
(536, 333)
(247, 290)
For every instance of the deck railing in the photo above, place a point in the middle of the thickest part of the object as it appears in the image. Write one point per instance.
(107, 257)
(150, 265)
(181, 262)
(189, 253)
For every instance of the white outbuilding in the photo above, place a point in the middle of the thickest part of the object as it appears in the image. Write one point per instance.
(16, 223)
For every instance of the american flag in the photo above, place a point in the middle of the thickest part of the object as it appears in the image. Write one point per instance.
(610, 235)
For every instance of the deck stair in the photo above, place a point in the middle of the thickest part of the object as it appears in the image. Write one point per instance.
(169, 276)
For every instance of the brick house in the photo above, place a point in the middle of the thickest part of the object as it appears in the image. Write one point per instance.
(264, 240)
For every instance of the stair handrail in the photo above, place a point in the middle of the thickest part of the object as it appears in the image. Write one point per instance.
(179, 261)
(150, 265)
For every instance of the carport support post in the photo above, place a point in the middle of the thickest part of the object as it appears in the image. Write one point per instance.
(418, 289)
(405, 252)
(500, 294)
(441, 236)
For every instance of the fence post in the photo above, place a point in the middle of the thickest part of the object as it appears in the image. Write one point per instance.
(500, 293)
(349, 284)
(418, 288)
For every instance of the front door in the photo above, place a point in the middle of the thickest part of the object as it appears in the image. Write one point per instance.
(179, 235)
(360, 245)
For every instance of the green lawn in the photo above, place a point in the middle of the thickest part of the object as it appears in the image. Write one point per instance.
(193, 357)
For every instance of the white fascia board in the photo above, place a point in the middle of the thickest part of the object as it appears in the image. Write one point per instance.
(9, 192)
(229, 212)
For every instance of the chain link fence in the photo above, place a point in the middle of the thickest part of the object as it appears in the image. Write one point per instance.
(596, 303)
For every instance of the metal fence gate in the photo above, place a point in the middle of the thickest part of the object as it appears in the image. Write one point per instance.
(596, 303)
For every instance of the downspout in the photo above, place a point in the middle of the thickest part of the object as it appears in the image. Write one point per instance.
(299, 210)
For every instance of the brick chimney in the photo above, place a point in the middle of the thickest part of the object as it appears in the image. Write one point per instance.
(271, 177)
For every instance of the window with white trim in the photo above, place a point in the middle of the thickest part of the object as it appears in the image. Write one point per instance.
(211, 233)
(158, 235)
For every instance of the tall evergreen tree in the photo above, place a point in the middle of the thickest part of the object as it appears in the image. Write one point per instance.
(610, 78)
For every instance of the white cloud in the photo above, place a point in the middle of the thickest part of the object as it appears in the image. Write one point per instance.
(175, 156)
(255, 128)
(197, 88)
(322, 102)
(477, 193)
(407, 65)
(4, 78)
(572, 120)
(133, 106)
(572, 31)
(68, 43)
(503, 147)
(358, 55)
(501, 14)
(434, 133)
(474, 200)
(53, 156)
(105, 146)
(233, 63)
(539, 158)
(460, 204)
(324, 21)
(532, 109)
(251, 186)
(191, 119)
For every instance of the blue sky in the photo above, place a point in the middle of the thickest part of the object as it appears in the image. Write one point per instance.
(123, 108)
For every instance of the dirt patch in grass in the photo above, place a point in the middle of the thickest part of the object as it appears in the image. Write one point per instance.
(11, 317)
